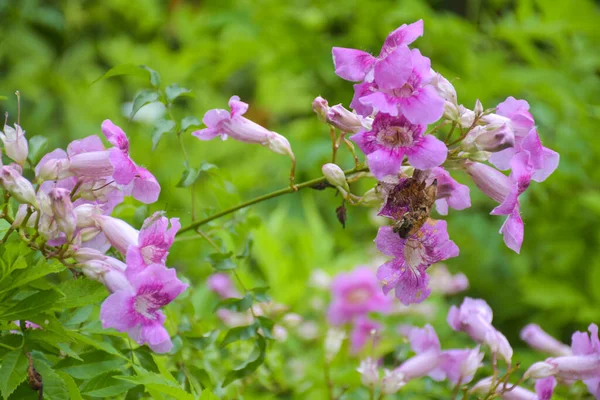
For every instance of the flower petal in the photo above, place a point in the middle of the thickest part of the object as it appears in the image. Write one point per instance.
(427, 153)
(383, 163)
(512, 230)
(351, 64)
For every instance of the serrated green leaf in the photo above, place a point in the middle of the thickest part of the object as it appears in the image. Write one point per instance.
(154, 76)
(13, 371)
(174, 91)
(267, 326)
(260, 294)
(236, 304)
(4, 225)
(202, 376)
(159, 383)
(92, 364)
(81, 292)
(54, 387)
(221, 261)
(100, 345)
(32, 305)
(72, 388)
(37, 148)
(207, 395)
(249, 366)
(125, 69)
(162, 126)
(144, 97)
(106, 385)
(239, 333)
(161, 364)
(188, 122)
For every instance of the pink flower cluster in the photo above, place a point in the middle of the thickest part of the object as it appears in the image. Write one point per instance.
(397, 96)
(69, 209)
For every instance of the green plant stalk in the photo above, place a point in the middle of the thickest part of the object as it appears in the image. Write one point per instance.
(262, 198)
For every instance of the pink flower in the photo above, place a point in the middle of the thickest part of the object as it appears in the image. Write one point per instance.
(391, 138)
(412, 256)
(450, 193)
(137, 311)
(504, 190)
(355, 65)
(19, 187)
(153, 242)
(107, 270)
(355, 294)
(221, 284)
(15, 144)
(538, 339)
(63, 211)
(224, 123)
(442, 281)
(402, 86)
(363, 329)
(119, 233)
(545, 387)
(474, 317)
(460, 365)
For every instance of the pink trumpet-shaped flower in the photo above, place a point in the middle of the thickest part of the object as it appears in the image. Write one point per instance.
(450, 193)
(538, 339)
(138, 311)
(15, 144)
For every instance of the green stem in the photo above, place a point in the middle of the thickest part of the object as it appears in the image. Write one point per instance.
(262, 198)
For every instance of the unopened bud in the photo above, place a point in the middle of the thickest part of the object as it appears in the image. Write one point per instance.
(369, 373)
(444, 89)
(54, 169)
(392, 381)
(85, 214)
(478, 109)
(107, 270)
(320, 107)
(87, 234)
(371, 198)
(62, 208)
(343, 119)
(15, 143)
(489, 180)
(335, 176)
(280, 145)
(20, 188)
(541, 370)
(92, 164)
(333, 342)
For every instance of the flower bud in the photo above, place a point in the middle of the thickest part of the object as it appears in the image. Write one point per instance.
(280, 145)
(92, 164)
(320, 107)
(576, 367)
(292, 320)
(499, 344)
(54, 169)
(333, 342)
(15, 144)
(445, 89)
(491, 138)
(392, 381)
(466, 117)
(221, 284)
(478, 109)
(119, 233)
(369, 373)
(87, 234)
(20, 188)
(489, 180)
(62, 208)
(419, 365)
(85, 214)
(107, 270)
(371, 198)
(539, 340)
(343, 119)
(335, 176)
(541, 370)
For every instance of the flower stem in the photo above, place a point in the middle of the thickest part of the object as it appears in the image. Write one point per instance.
(264, 197)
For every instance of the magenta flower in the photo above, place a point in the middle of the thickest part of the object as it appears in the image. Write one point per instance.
(153, 242)
(539, 340)
(391, 138)
(412, 256)
(450, 193)
(137, 311)
(545, 387)
(442, 281)
(584, 345)
(221, 284)
(355, 294)
(363, 329)
(223, 123)
(402, 85)
(124, 167)
(460, 365)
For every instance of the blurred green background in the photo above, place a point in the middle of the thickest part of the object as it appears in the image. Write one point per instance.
(277, 56)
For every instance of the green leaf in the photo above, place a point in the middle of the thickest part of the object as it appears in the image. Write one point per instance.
(38, 270)
(157, 382)
(37, 148)
(207, 395)
(154, 76)
(221, 261)
(125, 69)
(4, 225)
(267, 326)
(254, 361)
(239, 333)
(72, 388)
(81, 292)
(188, 122)
(162, 126)
(260, 294)
(54, 386)
(188, 177)
(13, 371)
(174, 91)
(32, 305)
(93, 364)
(100, 345)
(2, 98)
(144, 97)
(235, 304)
(202, 376)
(106, 385)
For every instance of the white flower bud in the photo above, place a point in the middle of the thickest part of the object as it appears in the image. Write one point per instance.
(335, 176)
(369, 373)
(333, 342)
(15, 144)
(20, 188)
